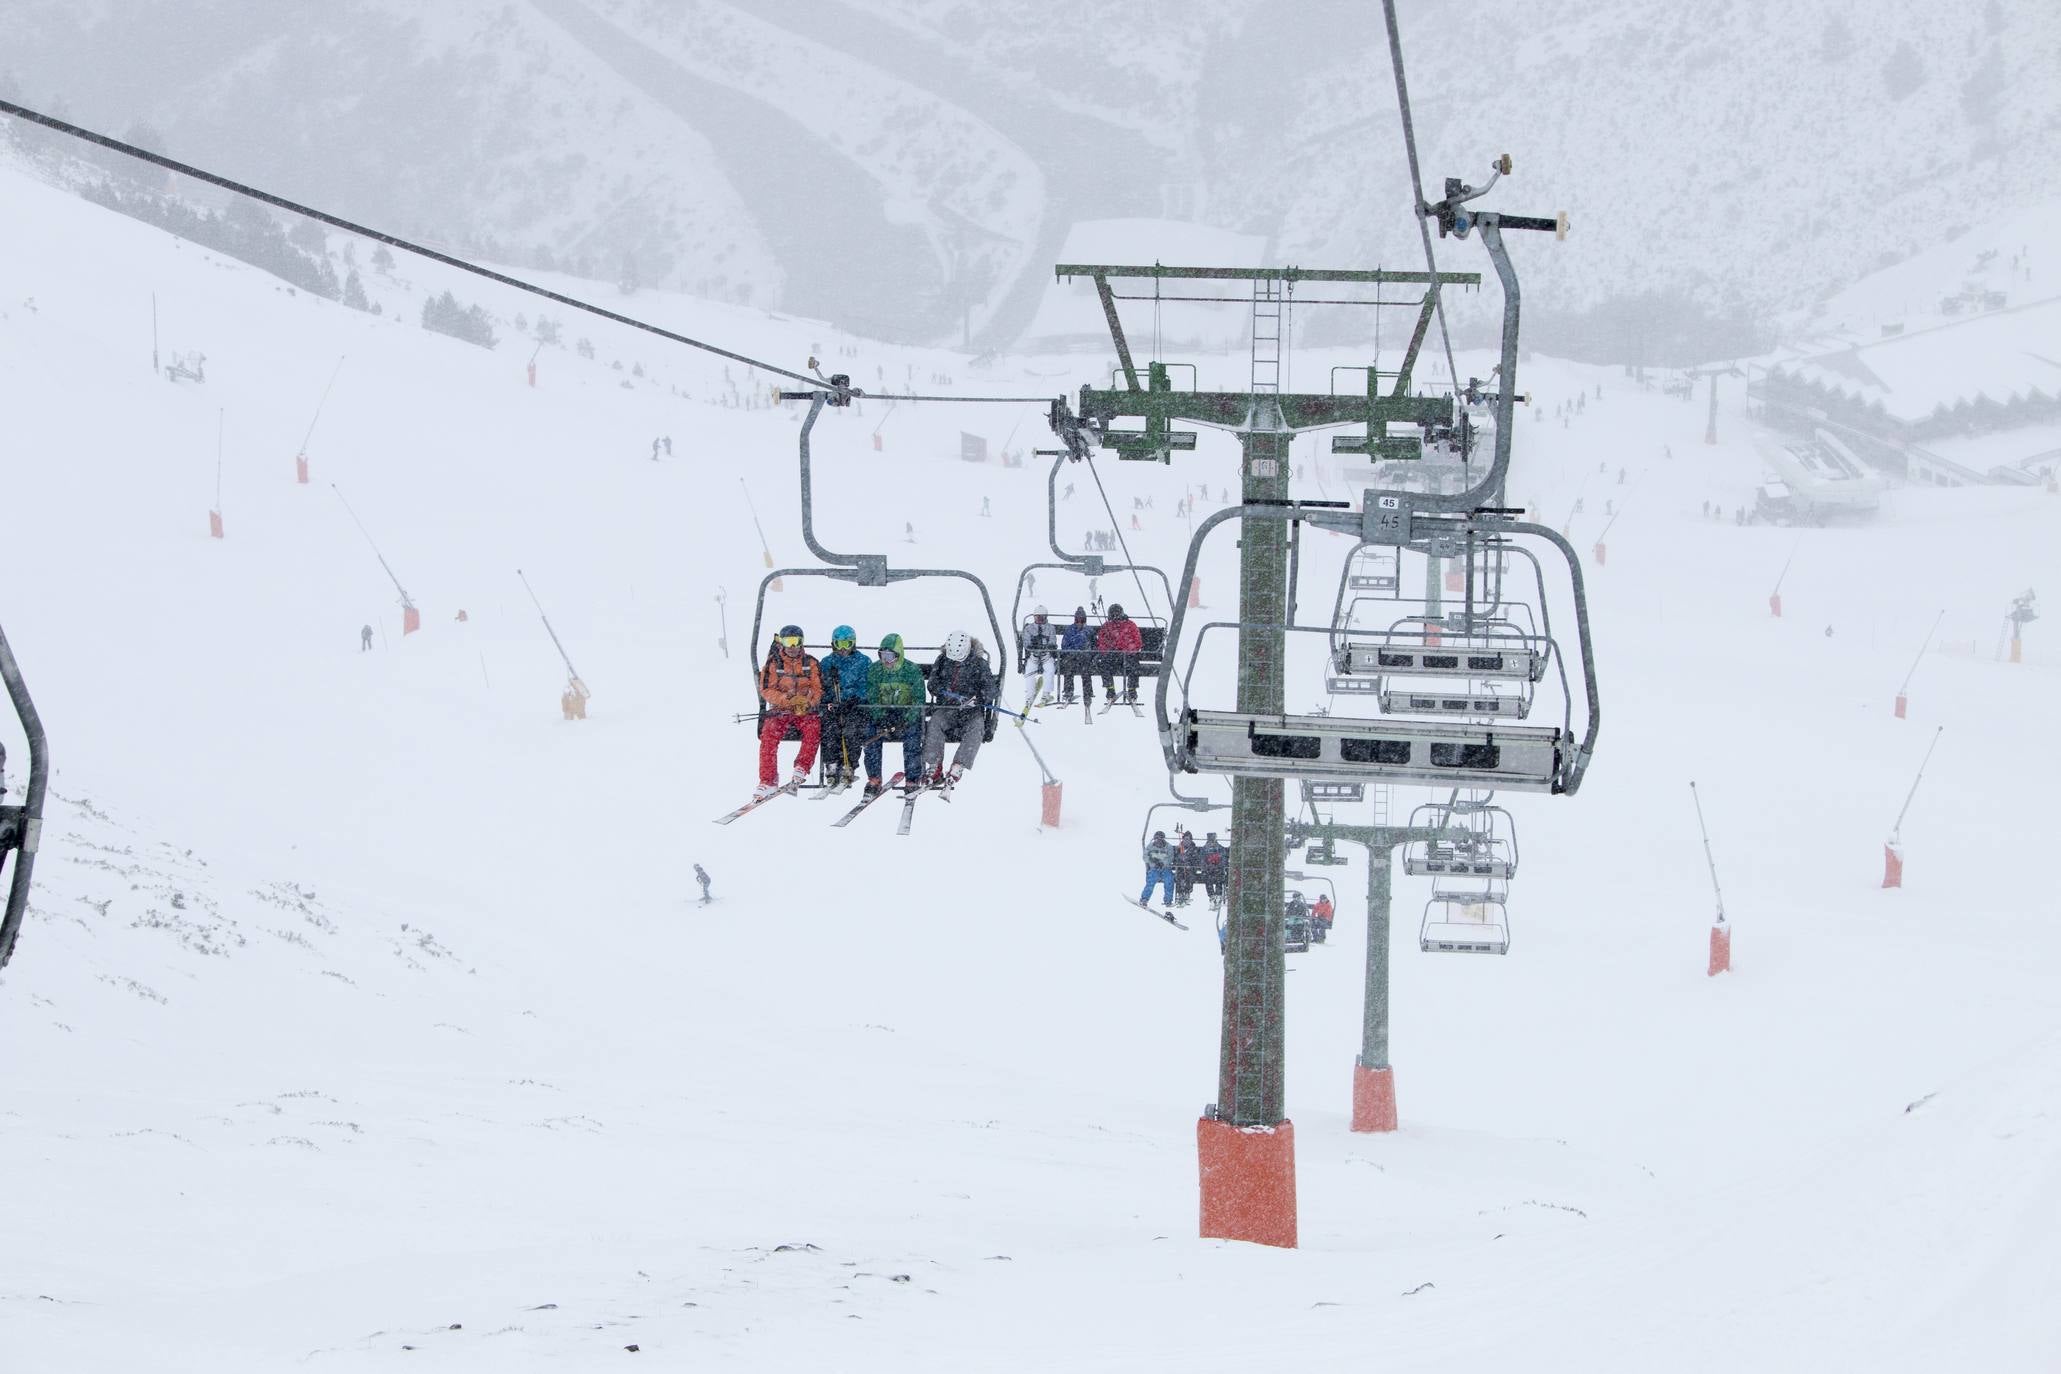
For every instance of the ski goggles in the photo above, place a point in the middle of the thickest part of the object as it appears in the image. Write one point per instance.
(844, 646)
(791, 641)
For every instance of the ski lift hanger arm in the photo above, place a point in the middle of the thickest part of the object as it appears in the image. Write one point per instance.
(21, 826)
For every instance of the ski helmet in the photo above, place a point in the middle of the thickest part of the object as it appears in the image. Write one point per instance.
(844, 634)
(958, 645)
(1159, 834)
(1080, 613)
(1040, 613)
(1116, 612)
(793, 632)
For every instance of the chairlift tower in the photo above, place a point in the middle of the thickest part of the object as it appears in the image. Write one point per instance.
(1246, 1144)
(1373, 1076)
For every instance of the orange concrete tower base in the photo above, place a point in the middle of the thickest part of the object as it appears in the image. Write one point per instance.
(1248, 1182)
(1373, 1098)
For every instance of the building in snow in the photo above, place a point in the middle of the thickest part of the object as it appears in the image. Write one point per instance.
(1973, 399)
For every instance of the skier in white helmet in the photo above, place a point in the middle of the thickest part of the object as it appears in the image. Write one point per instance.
(1038, 648)
(962, 689)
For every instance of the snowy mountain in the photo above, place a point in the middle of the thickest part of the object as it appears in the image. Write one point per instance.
(363, 1021)
(910, 167)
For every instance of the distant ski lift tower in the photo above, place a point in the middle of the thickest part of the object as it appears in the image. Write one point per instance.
(1245, 1143)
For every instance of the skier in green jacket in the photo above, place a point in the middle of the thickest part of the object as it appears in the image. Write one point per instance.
(894, 700)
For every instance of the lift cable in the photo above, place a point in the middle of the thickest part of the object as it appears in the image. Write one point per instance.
(410, 246)
(1419, 207)
(1116, 527)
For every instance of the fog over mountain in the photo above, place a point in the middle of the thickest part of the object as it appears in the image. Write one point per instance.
(912, 167)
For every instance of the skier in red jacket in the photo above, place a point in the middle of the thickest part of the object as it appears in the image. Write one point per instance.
(1119, 642)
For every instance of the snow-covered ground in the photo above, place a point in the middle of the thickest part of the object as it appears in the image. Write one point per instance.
(363, 1017)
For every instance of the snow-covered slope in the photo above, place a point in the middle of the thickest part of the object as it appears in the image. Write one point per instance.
(911, 165)
(362, 1017)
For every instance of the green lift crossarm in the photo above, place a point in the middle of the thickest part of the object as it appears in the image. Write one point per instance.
(1157, 403)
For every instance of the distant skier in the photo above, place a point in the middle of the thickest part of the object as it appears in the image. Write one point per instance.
(1620, 476)
(846, 673)
(791, 684)
(669, 445)
(895, 698)
(1159, 870)
(1187, 867)
(962, 687)
(701, 876)
(1069, 492)
(654, 450)
(985, 509)
(1119, 643)
(1077, 658)
(365, 640)
(1216, 869)
(909, 531)
(1038, 649)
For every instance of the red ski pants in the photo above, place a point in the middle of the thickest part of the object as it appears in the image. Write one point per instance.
(774, 730)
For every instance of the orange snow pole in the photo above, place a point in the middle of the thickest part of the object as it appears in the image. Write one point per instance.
(1892, 850)
(1720, 933)
(300, 461)
(215, 514)
(411, 620)
(1900, 701)
(1048, 808)
(1373, 1098)
(1775, 596)
(1248, 1182)
(1602, 553)
(1195, 594)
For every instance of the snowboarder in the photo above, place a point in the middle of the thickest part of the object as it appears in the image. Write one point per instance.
(365, 639)
(962, 687)
(791, 685)
(1187, 867)
(1216, 869)
(1159, 870)
(701, 876)
(894, 698)
(845, 723)
(1077, 658)
(1038, 648)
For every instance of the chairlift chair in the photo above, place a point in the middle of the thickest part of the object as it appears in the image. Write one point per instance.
(1484, 843)
(1466, 921)
(862, 570)
(1152, 628)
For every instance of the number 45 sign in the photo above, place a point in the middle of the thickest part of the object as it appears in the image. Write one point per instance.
(1384, 519)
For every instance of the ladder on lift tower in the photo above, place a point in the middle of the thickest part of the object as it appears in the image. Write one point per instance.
(1268, 300)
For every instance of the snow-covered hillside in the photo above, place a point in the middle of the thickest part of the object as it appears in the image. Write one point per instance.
(910, 166)
(362, 1017)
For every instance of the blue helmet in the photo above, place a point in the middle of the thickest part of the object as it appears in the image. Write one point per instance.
(844, 634)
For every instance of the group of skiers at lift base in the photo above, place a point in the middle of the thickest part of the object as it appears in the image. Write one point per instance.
(850, 707)
(1058, 656)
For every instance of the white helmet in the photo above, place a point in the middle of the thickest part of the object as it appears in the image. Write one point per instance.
(1041, 613)
(958, 644)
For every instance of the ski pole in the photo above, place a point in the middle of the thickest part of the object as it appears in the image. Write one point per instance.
(985, 706)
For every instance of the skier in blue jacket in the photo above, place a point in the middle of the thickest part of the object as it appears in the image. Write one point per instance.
(1077, 657)
(846, 721)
